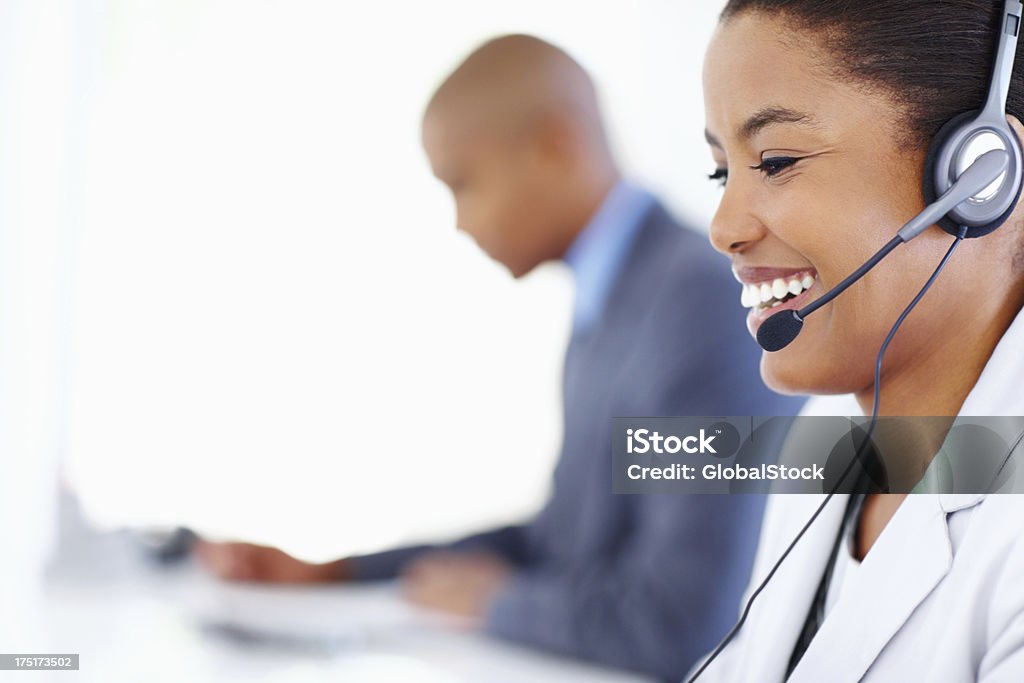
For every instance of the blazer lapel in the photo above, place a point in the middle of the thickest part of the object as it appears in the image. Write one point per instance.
(778, 614)
(908, 560)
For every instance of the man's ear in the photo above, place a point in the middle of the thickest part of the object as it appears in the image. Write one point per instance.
(555, 137)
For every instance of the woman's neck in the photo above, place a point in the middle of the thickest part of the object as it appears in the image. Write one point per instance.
(938, 378)
(936, 383)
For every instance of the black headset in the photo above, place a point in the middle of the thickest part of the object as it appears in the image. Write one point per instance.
(972, 181)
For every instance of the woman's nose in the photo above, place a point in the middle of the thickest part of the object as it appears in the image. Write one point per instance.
(733, 227)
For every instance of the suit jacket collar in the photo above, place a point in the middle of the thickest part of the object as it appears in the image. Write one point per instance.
(779, 619)
(908, 561)
(635, 282)
(599, 253)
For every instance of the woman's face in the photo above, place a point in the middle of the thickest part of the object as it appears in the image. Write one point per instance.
(816, 183)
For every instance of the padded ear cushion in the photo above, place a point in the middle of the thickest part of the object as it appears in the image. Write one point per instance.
(928, 181)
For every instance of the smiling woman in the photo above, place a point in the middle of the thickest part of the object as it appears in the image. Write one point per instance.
(819, 116)
(823, 167)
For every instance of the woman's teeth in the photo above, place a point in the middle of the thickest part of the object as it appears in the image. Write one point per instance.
(771, 294)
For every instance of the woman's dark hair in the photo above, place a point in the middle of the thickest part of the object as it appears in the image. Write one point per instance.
(932, 56)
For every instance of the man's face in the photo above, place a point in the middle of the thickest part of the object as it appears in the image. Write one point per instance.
(497, 183)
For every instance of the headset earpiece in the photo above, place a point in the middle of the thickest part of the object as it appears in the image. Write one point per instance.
(967, 136)
(957, 144)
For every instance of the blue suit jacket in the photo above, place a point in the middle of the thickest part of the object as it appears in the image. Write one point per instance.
(645, 582)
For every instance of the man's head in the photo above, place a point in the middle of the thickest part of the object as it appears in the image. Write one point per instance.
(516, 135)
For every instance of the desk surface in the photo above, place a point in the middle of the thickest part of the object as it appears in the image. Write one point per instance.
(180, 625)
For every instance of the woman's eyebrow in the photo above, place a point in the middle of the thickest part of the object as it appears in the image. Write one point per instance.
(770, 116)
(761, 119)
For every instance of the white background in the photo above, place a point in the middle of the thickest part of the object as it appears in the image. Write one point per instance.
(232, 293)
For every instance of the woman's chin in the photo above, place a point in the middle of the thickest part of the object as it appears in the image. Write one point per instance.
(779, 376)
(793, 372)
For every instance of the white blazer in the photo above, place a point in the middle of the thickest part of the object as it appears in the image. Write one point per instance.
(939, 598)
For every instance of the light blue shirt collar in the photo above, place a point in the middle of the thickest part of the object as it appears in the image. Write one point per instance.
(599, 251)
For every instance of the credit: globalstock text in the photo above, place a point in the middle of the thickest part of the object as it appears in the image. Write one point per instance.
(727, 472)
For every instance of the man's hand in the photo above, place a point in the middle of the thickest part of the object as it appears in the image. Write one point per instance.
(247, 562)
(459, 583)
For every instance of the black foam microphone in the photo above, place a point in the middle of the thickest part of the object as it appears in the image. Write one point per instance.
(779, 331)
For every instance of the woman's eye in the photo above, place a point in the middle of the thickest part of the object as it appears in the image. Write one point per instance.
(773, 166)
(720, 175)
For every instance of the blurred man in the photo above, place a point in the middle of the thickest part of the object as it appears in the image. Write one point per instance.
(642, 582)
